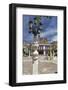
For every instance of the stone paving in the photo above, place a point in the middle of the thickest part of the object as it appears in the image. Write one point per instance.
(44, 66)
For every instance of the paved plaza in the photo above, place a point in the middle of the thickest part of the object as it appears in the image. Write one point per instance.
(44, 66)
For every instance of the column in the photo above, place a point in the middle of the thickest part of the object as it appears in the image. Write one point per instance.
(50, 53)
(44, 50)
(29, 53)
(53, 54)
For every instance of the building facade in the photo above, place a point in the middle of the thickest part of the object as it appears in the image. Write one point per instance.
(44, 48)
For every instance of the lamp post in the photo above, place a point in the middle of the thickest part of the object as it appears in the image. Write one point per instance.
(35, 27)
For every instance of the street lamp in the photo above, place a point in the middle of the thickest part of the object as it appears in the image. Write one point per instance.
(35, 27)
(30, 26)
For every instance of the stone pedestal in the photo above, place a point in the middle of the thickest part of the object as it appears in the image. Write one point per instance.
(35, 62)
(35, 67)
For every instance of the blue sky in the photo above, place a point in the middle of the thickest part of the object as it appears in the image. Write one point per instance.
(49, 28)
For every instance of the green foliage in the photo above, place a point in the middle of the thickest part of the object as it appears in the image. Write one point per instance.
(38, 19)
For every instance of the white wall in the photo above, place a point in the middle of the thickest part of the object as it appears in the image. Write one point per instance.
(4, 43)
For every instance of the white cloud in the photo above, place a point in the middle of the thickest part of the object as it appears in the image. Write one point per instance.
(43, 34)
(54, 38)
(48, 32)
